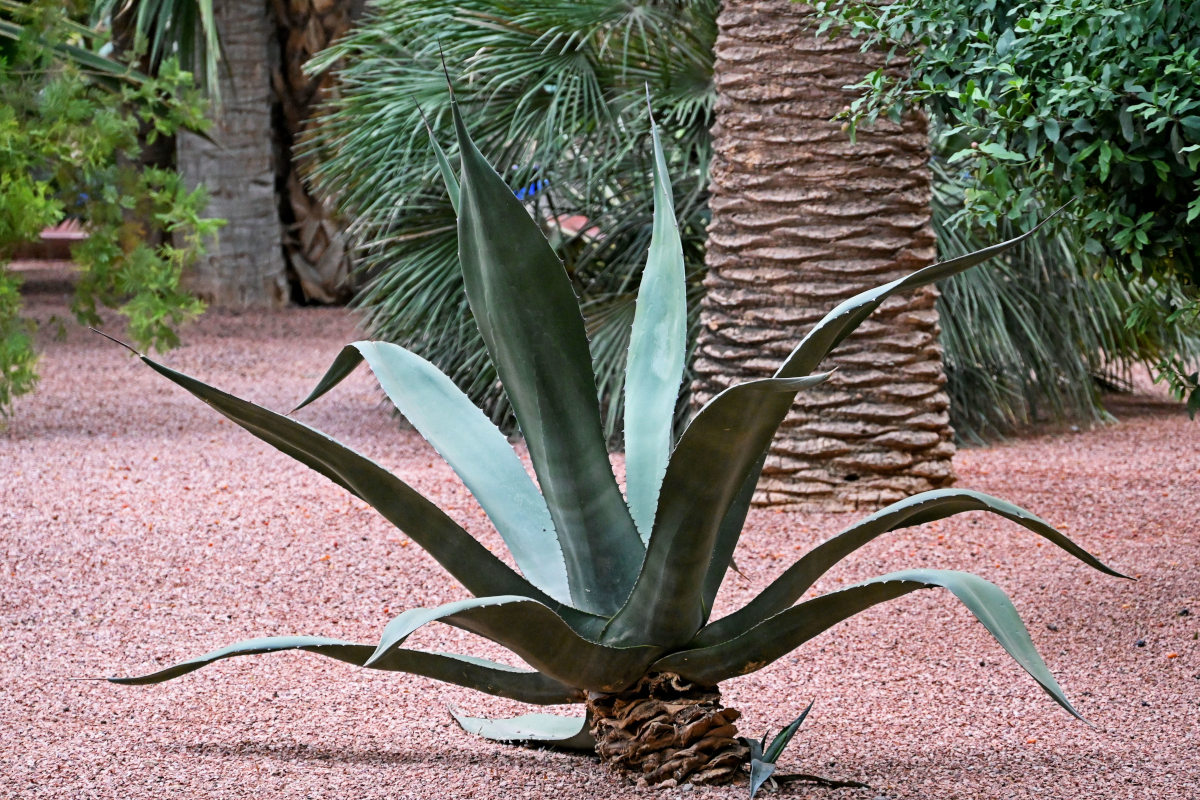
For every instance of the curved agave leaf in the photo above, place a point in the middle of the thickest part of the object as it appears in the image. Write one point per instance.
(474, 673)
(787, 630)
(444, 168)
(915, 510)
(826, 335)
(536, 634)
(529, 318)
(706, 471)
(657, 350)
(842, 320)
(426, 524)
(729, 532)
(473, 446)
(532, 730)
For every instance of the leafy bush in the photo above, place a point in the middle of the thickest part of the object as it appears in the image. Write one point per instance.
(613, 606)
(1037, 335)
(69, 148)
(1046, 102)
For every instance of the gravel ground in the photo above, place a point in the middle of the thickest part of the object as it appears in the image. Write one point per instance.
(138, 529)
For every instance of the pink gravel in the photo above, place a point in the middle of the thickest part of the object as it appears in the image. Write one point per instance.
(138, 528)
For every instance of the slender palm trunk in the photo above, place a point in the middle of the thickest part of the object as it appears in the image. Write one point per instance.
(802, 219)
(244, 266)
(315, 243)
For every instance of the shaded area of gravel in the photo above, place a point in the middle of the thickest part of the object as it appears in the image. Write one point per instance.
(138, 528)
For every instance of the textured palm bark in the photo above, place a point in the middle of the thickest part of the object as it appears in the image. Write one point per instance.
(315, 243)
(244, 266)
(803, 219)
(665, 731)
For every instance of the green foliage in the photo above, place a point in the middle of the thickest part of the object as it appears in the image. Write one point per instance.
(1048, 102)
(69, 148)
(558, 94)
(1035, 336)
(600, 605)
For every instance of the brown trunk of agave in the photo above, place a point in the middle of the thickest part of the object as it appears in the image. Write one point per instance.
(802, 219)
(314, 239)
(665, 731)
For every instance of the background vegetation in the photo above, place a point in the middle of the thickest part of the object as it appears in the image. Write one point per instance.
(1044, 103)
(557, 90)
(72, 126)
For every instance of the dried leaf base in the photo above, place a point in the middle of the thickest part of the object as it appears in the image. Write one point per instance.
(665, 731)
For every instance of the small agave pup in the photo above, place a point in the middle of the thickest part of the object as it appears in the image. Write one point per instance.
(611, 603)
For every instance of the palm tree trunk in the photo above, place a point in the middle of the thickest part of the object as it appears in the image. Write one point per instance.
(314, 244)
(802, 219)
(244, 265)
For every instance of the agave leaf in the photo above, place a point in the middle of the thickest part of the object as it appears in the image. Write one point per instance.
(502, 680)
(657, 350)
(529, 318)
(732, 523)
(537, 730)
(787, 630)
(426, 524)
(760, 772)
(447, 172)
(826, 335)
(474, 447)
(915, 510)
(842, 320)
(784, 737)
(706, 471)
(536, 634)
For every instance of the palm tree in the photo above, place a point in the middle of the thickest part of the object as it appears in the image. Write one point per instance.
(251, 57)
(802, 217)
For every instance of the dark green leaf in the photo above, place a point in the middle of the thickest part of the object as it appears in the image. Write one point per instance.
(784, 632)
(780, 742)
(915, 510)
(529, 318)
(709, 467)
(451, 546)
(525, 686)
(536, 634)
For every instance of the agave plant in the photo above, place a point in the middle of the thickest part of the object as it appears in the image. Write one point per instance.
(611, 600)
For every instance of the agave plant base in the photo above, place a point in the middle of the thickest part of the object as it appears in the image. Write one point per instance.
(666, 731)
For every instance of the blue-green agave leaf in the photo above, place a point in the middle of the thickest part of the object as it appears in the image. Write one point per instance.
(475, 448)
(536, 634)
(787, 630)
(533, 730)
(501, 680)
(706, 471)
(915, 510)
(842, 320)
(760, 772)
(426, 524)
(529, 318)
(657, 350)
